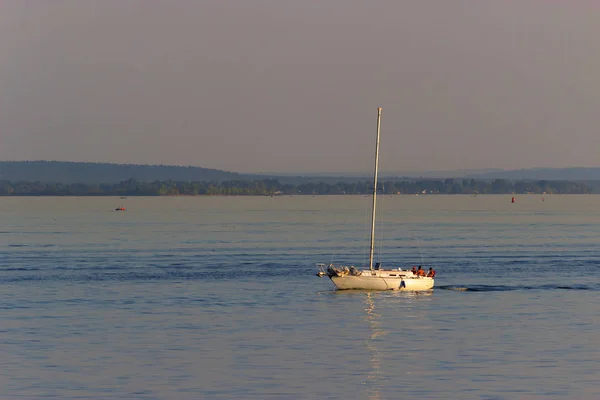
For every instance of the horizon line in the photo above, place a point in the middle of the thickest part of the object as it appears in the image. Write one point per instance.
(324, 174)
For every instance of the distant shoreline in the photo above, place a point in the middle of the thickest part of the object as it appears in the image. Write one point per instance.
(272, 187)
(298, 195)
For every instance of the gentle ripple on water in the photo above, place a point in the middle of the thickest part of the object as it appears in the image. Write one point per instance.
(204, 297)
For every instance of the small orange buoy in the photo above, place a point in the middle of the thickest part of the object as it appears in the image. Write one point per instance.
(512, 200)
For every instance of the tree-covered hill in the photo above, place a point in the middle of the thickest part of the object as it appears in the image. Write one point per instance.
(555, 174)
(67, 172)
(90, 174)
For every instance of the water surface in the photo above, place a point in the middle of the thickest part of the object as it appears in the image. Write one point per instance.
(216, 297)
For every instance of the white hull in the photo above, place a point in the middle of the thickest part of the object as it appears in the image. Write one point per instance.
(362, 282)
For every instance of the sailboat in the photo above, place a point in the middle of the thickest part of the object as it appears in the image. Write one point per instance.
(375, 277)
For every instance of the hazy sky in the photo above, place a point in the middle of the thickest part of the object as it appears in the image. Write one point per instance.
(293, 86)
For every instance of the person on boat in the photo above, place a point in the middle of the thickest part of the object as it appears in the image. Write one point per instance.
(431, 272)
(420, 271)
(414, 270)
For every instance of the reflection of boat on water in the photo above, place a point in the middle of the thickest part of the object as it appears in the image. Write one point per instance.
(374, 377)
(120, 208)
(350, 277)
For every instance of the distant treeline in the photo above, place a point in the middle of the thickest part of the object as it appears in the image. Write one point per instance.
(269, 187)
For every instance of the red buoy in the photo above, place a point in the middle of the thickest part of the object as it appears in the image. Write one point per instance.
(512, 200)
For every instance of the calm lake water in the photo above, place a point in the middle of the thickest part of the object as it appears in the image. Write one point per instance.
(217, 298)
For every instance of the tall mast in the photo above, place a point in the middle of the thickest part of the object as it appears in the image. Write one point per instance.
(372, 248)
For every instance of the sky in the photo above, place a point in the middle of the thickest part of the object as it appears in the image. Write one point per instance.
(272, 86)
